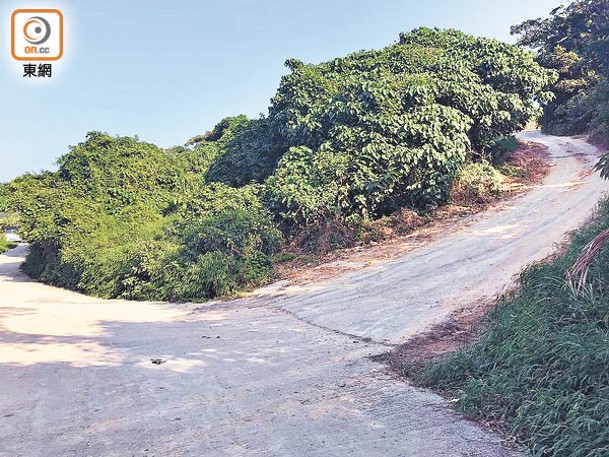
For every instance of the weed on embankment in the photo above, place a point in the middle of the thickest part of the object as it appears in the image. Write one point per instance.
(540, 366)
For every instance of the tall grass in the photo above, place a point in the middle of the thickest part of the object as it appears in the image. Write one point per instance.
(541, 364)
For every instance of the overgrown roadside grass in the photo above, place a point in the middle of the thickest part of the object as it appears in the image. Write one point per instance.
(540, 365)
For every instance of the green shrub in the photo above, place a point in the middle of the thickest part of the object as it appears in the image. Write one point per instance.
(541, 362)
(599, 125)
(502, 147)
(209, 275)
(476, 183)
(368, 134)
(365, 135)
(101, 231)
(4, 197)
(248, 157)
(233, 233)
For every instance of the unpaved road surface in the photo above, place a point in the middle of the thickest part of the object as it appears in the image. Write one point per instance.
(281, 374)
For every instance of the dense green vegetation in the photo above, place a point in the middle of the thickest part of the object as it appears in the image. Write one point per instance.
(541, 362)
(123, 218)
(362, 136)
(4, 207)
(4, 197)
(5, 245)
(574, 41)
(345, 142)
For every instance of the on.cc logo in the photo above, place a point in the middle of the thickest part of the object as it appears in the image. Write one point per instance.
(37, 34)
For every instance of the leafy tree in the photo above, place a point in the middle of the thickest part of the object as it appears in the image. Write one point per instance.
(378, 130)
(581, 27)
(574, 40)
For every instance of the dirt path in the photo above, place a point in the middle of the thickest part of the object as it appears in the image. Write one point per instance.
(255, 377)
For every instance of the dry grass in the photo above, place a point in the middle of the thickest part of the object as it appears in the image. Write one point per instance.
(526, 167)
(578, 273)
(443, 338)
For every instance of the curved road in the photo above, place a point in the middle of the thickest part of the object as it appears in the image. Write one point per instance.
(283, 374)
(393, 300)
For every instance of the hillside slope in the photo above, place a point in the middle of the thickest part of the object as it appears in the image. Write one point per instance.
(246, 377)
(391, 301)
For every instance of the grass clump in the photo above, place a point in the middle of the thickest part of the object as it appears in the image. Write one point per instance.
(504, 145)
(541, 363)
(477, 182)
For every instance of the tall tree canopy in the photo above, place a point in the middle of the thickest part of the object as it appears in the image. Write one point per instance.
(574, 40)
(581, 27)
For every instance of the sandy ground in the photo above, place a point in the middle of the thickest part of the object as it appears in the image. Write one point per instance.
(284, 373)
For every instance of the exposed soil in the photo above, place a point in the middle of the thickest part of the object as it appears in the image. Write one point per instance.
(532, 162)
(459, 329)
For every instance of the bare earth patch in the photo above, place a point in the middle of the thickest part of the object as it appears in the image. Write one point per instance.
(459, 329)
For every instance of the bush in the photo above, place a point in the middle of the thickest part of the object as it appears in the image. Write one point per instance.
(541, 362)
(584, 113)
(248, 157)
(168, 236)
(368, 134)
(502, 147)
(4, 197)
(476, 183)
(599, 125)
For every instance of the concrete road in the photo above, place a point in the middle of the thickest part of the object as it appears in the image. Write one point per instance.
(274, 375)
(391, 301)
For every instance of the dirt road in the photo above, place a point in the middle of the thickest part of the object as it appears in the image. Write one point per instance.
(276, 375)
